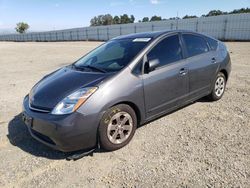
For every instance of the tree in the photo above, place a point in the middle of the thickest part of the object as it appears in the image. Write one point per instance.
(174, 18)
(107, 19)
(219, 12)
(155, 18)
(132, 19)
(22, 27)
(187, 17)
(215, 13)
(100, 20)
(145, 19)
(116, 20)
(124, 19)
(94, 21)
(242, 10)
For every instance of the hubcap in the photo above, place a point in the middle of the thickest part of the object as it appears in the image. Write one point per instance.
(119, 127)
(219, 86)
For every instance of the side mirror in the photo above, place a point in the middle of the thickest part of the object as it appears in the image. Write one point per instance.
(151, 65)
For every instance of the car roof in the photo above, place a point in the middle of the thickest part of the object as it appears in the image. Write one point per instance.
(152, 35)
(156, 34)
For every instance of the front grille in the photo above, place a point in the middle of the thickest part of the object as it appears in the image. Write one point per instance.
(42, 137)
(39, 109)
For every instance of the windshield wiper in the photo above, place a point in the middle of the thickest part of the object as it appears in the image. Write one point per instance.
(88, 67)
(93, 68)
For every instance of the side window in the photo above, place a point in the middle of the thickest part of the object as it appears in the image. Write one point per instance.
(195, 44)
(167, 51)
(212, 43)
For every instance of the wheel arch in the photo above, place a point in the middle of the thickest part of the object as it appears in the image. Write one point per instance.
(134, 107)
(224, 71)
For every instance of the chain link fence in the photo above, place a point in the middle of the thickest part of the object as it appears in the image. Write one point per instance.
(224, 27)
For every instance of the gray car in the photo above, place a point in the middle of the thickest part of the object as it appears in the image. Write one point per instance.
(104, 96)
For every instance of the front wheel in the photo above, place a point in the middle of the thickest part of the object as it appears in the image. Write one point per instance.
(117, 127)
(218, 88)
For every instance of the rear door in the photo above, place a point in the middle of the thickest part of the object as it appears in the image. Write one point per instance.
(202, 64)
(165, 87)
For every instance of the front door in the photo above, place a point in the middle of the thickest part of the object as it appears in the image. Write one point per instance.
(165, 87)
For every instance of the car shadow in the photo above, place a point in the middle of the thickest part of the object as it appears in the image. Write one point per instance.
(201, 100)
(205, 100)
(19, 136)
(165, 114)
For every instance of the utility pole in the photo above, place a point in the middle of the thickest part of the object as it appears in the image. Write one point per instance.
(177, 20)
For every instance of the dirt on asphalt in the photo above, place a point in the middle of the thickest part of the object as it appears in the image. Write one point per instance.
(201, 145)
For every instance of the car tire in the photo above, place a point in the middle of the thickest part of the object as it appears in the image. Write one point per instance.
(219, 87)
(117, 127)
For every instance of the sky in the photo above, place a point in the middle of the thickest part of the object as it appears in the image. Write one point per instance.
(44, 15)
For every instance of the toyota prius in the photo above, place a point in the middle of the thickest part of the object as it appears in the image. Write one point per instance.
(104, 96)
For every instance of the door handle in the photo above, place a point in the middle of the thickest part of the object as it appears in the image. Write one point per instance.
(214, 60)
(183, 71)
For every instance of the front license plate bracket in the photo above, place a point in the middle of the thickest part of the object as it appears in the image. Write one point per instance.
(27, 119)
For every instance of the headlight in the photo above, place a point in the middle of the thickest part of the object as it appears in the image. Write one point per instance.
(72, 102)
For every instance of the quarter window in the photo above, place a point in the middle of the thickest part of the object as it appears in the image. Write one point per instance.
(212, 43)
(138, 68)
(167, 51)
(195, 44)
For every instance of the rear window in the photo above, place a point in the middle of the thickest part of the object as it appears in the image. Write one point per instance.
(212, 43)
(195, 44)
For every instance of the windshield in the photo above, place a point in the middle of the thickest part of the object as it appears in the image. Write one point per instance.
(113, 55)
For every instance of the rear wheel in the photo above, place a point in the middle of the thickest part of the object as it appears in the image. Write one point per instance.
(219, 87)
(117, 127)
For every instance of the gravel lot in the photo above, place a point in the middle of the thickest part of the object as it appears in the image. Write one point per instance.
(202, 145)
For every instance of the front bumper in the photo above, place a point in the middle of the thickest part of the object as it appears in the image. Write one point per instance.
(61, 132)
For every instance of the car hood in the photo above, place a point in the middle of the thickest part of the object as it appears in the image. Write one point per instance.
(49, 91)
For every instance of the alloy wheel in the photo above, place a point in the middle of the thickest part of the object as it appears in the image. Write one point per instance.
(120, 127)
(219, 86)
